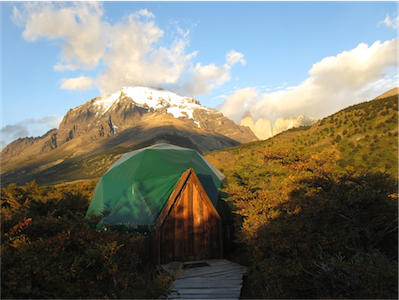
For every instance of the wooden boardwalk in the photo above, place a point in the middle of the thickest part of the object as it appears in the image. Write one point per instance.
(221, 279)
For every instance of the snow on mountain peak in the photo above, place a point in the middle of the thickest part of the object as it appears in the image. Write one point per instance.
(146, 97)
(104, 103)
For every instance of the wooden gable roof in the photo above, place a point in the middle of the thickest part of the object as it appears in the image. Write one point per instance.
(189, 227)
(188, 178)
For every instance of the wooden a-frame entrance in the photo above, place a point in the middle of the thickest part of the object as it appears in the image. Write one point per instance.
(189, 226)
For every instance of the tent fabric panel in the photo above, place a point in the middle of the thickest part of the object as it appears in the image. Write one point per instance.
(126, 167)
(163, 163)
(210, 188)
(138, 185)
(121, 160)
(127, 212)
(165, 146)
(204, 173)
(219, 174)
(157, 192)
(136, 203)
(112, 191)
(155, 164)
(162, 146)
(96, 205)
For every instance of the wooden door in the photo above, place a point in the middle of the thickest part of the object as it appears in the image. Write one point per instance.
(191, 229)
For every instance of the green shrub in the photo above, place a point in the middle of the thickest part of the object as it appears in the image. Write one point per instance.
(49, 249)
(316, 232)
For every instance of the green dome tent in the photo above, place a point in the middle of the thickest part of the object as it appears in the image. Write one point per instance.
(137, 186)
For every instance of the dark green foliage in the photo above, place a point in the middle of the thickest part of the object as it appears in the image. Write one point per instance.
(317, 225)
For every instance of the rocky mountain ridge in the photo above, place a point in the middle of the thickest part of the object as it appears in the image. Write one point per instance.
(107, 116)
(133, 117)
(263, 129)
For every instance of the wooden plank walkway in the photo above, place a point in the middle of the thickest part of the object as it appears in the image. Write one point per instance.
(222, 279)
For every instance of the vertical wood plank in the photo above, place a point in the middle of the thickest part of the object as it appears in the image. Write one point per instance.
(190, 222)
(200, 217)
(156, 260)
(163, 244)
(165, 251)
(215, 238)
(206, 231)
(179, 226)
(216, 241)
(171, 235)
(196, 221)
(164, 241)
(185, 218)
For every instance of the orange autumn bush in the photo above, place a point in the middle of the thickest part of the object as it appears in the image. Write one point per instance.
(315, 232)
(49, 250)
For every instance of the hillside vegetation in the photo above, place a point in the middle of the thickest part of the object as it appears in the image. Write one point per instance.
(317, 207)
(310, 231)
(50, 251)
(317, 214)
(364, 136)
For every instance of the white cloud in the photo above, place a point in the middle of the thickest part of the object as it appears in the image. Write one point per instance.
(234, 57)
(220, 96)
(184, 34)
(78, 26)
(334, 83)
(203, 79)
(145, 13)
(80, 83)
(238, 102)
(391, 23)
(130, 51)
(132, 58)
(352, 69)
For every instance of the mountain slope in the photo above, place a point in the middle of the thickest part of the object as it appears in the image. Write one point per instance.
(81, 159)
(392, 92)
(112, 114)
(365, 136)
(128, 119)
(317, 207)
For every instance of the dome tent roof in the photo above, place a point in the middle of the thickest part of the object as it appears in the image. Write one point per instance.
(137, 186)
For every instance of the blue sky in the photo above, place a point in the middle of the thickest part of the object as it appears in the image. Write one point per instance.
(277, 59)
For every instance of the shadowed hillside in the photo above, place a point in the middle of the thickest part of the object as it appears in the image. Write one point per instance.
(317, 207)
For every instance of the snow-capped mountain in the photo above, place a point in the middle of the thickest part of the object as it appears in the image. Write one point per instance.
(153, 100)
(109, 115)
(131, 118)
